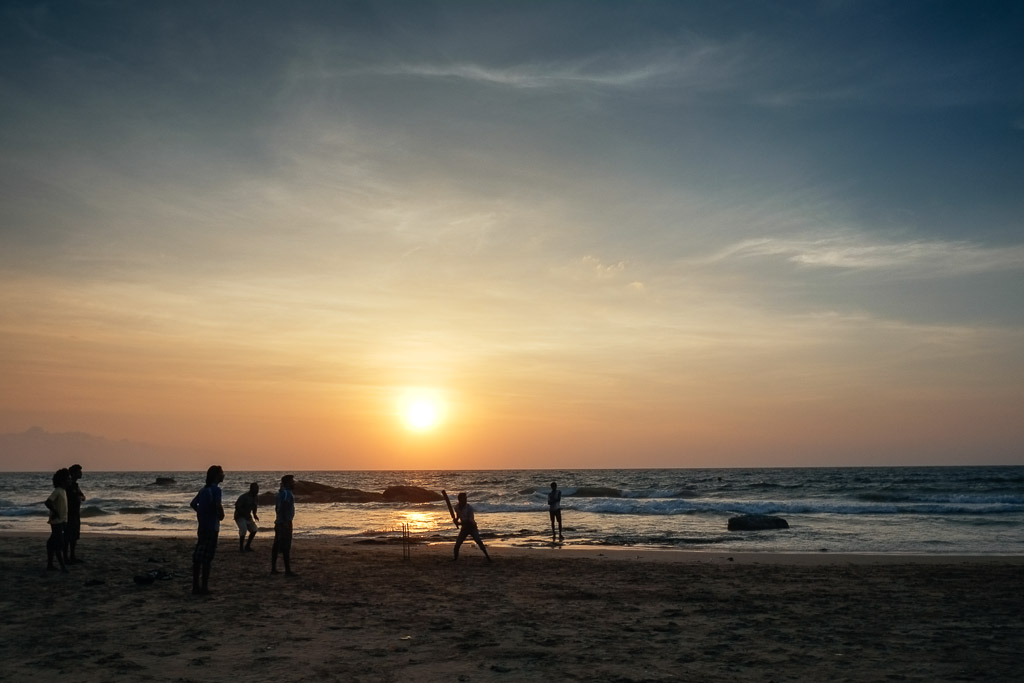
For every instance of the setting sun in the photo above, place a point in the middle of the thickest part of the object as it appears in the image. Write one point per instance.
(421, 410)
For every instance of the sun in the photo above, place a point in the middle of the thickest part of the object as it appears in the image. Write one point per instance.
(421, 410)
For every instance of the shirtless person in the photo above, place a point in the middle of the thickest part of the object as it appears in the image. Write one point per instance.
(555, 510)
(246, 517)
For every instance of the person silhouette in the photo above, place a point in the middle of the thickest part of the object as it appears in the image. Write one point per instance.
(284, 505)
(466, 516)
(555, 510)
(57, 504)
(209, 513)
(246, 517)
(75, 500)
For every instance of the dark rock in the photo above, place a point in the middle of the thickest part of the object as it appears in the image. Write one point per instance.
(312, 492)
(756, 523)
(312, 488)
(163, 481)
(410, 494)
(596, 492)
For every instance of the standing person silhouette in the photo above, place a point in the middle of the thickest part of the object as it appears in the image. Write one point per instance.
(246, 517)
(209, 512)
(57, 504)
(75, 500)
(285, 507)
(465, 515)
(555, 510)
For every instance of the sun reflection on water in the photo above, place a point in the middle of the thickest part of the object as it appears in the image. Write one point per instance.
(419, 522)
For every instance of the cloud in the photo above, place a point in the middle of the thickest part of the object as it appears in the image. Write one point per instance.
(601, 270)
(529, 76)
(911, 259)
(704, 65)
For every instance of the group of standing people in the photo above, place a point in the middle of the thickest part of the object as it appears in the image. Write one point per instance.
(210, 512)
(65, 518)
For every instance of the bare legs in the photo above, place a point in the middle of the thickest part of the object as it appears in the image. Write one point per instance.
(282, 546)
(55, 547)
(556, 515)
(467, 530)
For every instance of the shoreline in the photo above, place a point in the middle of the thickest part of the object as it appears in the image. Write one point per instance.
(592, 552)
(967, 510)
(363, 612)
(595, 552)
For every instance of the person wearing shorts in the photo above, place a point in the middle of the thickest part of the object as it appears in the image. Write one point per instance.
(555, 510)
(209, 513)
(284, 505)
(75, 500)
(466, 516)
(57, 504)
(246, 517)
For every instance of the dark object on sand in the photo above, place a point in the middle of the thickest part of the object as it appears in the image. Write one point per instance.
(152, 575)
(756, 523)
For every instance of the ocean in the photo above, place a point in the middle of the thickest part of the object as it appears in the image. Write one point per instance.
(916, 510)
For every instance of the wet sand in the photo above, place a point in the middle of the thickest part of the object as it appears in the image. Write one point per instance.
(365, 613)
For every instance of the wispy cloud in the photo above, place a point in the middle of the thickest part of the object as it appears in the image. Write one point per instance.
(705, 65)
(602, 270)
(530, 76)
(910, 259)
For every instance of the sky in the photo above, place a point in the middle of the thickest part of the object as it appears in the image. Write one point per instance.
(593, 234)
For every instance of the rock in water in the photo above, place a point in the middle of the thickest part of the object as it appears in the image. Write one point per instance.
(756, 523)
(596, 492)
(313, 492)
(410, 494)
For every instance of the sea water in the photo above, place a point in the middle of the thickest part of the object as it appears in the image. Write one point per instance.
(930, 510)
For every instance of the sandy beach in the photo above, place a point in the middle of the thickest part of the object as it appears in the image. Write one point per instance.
(361, 612)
